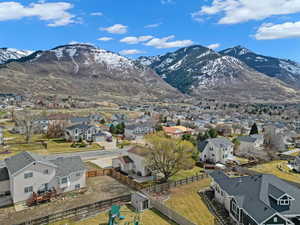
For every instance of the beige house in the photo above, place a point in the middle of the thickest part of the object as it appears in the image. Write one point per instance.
(28, 173)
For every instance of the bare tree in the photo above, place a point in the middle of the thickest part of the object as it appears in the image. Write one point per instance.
(169, 156)
(25, 119)
(56, 129)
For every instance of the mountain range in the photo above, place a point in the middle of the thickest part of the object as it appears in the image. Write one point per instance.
(200, 71)
(82, 70)
(235, 74)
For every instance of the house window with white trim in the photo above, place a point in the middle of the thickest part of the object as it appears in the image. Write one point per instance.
(28, 175)
(28, 189)
(284, 202)
(64, 180)
(77, 186)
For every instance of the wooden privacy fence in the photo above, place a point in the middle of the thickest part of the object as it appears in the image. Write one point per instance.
(173, 184)
(169, 213)
(78, 212)
(98, 172)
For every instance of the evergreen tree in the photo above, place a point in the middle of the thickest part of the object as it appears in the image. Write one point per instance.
(254, 129)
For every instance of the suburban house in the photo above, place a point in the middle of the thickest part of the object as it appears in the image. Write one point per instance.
(177, 131)
(138, 130)
(257, 200)
(216, 150)
(252, 141)
(133, 163)
(27, 173)
(81, 132)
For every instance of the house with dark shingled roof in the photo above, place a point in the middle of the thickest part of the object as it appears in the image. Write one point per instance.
(26, 173)
(257, 200)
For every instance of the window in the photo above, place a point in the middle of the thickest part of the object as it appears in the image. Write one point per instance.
(46, 171)
(285, 202)
(28, 175)
(275, 220)
(64, 180)
(78, 174)
(77, 186)
(28, 189)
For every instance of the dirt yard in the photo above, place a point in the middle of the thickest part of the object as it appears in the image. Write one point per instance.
(99, 188)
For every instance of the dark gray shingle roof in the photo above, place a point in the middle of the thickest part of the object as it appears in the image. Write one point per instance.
(253, 193)
(68, 165)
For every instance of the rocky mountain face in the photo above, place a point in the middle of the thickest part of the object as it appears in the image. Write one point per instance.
(7, 54)
(202, 72)
(282, 69)
(82, 70)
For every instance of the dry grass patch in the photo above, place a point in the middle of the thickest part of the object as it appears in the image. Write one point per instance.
(273, 168)
(186, 201)
(148, 217)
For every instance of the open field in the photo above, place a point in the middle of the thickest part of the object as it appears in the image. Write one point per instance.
(148, 217)
(99, 188)
(186, 201)
(273, 168)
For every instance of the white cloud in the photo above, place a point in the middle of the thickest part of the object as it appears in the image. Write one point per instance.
(153, 25)
(96, 14)
(167, 1)
(238, 11)
(214, 46)
(56, 13)
(131, 52)
(116, 29)
(136, 40)
(270, 31)
(105, 39)
(166, 43)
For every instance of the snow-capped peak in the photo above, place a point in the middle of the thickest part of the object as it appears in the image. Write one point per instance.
(12, 53)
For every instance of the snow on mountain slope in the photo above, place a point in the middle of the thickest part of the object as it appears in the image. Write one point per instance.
(286, 70)
(11, 53)
(83, 70)
(199, 71)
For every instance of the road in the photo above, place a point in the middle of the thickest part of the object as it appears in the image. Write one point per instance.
(87, 155)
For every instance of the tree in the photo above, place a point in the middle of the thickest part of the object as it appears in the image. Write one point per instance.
(254, 129)
(169, 156)
(102, 121)
(25, 120)
(212, 133)
(178, 122)
(55, 130)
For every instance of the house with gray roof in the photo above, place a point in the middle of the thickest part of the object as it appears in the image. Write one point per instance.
(216, 150)
(257, 200)
(29, 173)
(81, 132)
(254, 141)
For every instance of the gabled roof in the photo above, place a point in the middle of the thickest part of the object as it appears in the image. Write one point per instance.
(138, 151)
(247, 139)
(253, 193)
(20, 161)
(68, 165)
(220, 142)
(79, 126)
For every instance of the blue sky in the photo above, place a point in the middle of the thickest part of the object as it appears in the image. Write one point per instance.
(270, 27)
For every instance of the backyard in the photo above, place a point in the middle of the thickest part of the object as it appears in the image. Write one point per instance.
(148, 217)
(186, 201)
(99, 188)
(279, 169)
